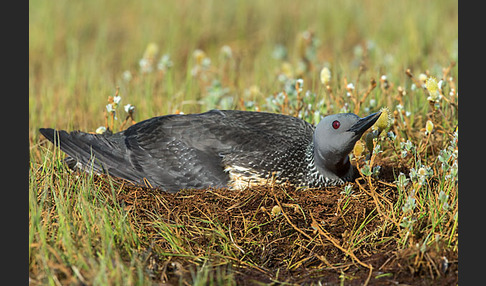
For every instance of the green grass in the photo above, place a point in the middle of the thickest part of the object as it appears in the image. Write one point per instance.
(73, 230)
(80, 51)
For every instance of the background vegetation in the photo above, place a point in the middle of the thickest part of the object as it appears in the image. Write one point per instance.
(191, 56)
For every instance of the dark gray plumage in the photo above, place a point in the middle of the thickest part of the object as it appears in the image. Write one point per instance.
(221, 148)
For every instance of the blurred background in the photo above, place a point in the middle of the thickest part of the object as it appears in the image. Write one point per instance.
(191, 56)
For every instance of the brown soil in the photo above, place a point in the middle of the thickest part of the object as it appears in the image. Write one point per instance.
(315, 237)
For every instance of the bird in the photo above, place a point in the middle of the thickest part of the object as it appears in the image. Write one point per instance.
(221, 149)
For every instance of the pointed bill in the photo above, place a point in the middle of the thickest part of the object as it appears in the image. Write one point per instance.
(364, 123)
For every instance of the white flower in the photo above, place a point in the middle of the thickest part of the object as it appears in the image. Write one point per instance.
(440, 85)
(300, 83)
(422, 172)
(100, 130)
(443, 197)
(358, 51)
(109, 108)
(422, 77)
(350, 86)
(226, 52)
(116, 99)
(165, 63)
(145, 65)
(279, 52)
(127, 75)
(129, 108)
(317, 116)
(195, 70)
(206, 63)
(345, 108)
(391, 135)
(409, 204)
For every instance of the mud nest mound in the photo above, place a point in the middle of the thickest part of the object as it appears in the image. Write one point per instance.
(280, 233)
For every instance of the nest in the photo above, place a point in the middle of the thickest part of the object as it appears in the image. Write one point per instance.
(274, 232)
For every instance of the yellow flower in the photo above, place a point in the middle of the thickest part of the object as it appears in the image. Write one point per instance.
(325, 75)
(429, 126)
(146, 63)
(254, 91)
(199, 56)
(151, 51)
(287, 69)
(433, 87)
(358, 149)
(276, 210)
(384, 121)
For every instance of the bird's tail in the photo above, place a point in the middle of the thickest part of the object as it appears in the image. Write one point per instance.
(96, 152)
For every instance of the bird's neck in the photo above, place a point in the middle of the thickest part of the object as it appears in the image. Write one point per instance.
(337, 169)
(332, 167)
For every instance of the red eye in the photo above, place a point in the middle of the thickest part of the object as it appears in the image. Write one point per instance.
(336, 124)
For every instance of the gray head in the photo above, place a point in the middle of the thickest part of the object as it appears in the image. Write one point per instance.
(334, 139)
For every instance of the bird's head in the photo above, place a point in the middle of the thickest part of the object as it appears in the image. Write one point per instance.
(334, 138)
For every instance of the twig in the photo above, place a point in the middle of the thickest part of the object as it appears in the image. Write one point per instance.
(300, 103)
(316, 226)
(234, 243)
(262, 270)
(379, 205)
(288, 219)
(416, 81)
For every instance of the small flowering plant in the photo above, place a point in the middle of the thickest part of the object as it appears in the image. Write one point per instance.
(110, 113)
(432, 86)
(147, 62)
